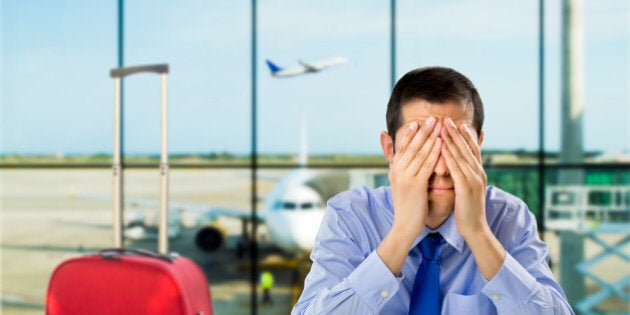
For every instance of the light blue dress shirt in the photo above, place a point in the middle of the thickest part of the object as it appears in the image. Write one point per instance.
(348, 276)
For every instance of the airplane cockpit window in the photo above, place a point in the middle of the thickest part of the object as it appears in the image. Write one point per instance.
(289, 206)
(307, 206)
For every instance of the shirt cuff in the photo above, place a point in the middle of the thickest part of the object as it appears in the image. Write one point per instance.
(374, 282)
(511, 286)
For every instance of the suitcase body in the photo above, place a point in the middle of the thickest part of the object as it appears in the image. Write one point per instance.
(131, 281)
(128, 283)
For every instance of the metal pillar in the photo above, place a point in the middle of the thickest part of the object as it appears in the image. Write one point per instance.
(571, 242)
(253, 249)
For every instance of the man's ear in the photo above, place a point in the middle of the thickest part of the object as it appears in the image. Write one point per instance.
(480, 141)
(387, 144)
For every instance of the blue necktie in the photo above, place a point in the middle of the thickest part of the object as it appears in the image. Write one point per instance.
(425, 297)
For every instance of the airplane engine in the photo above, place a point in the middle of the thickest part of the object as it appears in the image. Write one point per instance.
(210, 238)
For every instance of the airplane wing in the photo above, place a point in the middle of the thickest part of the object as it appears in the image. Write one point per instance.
(142, 224)
(204, 213)
(208, 213)
(210, 234)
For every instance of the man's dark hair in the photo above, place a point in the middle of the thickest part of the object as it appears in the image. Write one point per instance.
(434, 85)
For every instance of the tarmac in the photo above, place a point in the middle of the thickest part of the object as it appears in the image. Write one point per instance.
(50, 215)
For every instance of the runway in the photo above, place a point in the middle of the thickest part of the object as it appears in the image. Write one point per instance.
(48, 216)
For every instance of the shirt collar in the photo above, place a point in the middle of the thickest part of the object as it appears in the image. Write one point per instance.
(449, 232)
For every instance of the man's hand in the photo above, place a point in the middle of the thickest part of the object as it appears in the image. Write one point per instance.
(463, 159)
(416, 154)
(462, 154)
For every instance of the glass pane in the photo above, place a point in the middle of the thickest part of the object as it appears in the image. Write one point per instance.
(342, 106)
(56, 91)
(606, 71)
(207, 47)
(56, 101)
(493, 43)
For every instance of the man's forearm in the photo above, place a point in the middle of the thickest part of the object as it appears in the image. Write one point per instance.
(515, 290)
(393, 250)
(364, 290)
(488, 252)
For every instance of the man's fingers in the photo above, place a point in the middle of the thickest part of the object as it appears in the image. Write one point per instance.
(406, 134)
(407, 154)
(463, 149)
(453, 166)
(463, 170)
(404, 137)
(472, 139)
(431, 160)
(421, 159)
(461, 157)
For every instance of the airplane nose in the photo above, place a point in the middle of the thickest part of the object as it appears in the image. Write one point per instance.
(305, 242)
(304, 233)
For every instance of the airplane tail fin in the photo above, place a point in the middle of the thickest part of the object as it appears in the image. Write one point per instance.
(272, 66)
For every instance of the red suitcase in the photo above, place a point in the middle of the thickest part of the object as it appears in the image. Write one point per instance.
(131, 281)
(128, 282)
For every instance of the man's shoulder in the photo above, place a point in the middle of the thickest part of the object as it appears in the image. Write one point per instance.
(504, 210)
(364, 214)
(499, 197)
(361, 197)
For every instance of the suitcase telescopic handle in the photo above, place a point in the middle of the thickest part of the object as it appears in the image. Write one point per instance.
(117, 74)
(110, 253)
(127, 71)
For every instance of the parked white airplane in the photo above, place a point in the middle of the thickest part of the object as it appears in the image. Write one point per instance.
(292, 213)
(304, 67)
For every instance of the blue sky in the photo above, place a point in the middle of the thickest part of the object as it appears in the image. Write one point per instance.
(57, 97)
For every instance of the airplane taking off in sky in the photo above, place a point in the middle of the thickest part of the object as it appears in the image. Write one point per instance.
(304, 67)
(293, 209)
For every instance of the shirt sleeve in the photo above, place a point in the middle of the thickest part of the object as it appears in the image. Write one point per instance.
(343, 278)
(525, 284)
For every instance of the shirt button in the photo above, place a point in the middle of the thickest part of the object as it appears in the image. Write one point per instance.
(384, 293)
(495, 297)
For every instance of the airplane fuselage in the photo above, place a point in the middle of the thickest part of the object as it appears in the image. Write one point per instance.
(304, 67)
(294, 211)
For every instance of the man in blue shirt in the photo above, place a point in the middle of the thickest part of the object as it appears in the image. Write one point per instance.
(491, 260)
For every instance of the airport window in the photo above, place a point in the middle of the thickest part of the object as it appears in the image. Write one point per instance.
(57, 108)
